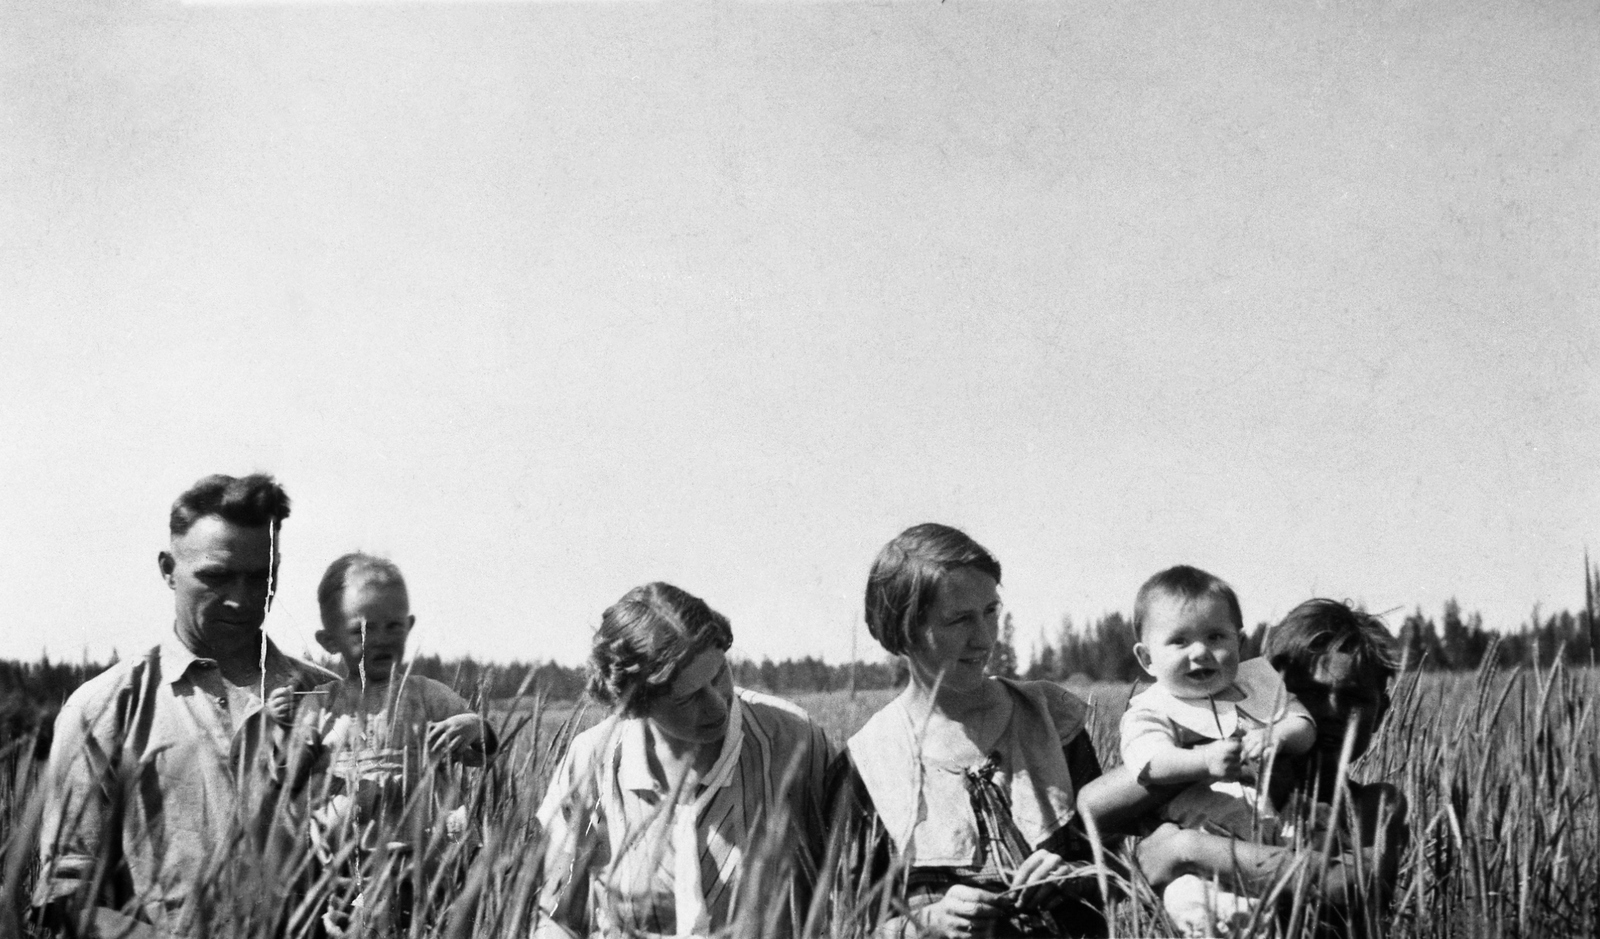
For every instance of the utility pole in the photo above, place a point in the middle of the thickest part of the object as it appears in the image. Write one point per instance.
(855, 628)
(1590, 579)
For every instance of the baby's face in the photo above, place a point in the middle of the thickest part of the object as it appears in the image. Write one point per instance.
(1190, 649)
(375, 620)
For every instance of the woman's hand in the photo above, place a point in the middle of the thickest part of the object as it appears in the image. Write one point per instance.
(1036, 878)
(455, 734)
(962, 912)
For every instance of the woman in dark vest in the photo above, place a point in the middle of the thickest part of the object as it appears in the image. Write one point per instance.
(958, 797)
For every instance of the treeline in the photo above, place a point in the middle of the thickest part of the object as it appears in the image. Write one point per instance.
(31, 693)
(566, 682)
(1456, 643)
(1103, 649)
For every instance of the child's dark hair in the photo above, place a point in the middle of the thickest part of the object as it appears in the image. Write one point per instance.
(1187, 585)
(250, 501)
(906, 576)
(1317, 627)
(644, 639)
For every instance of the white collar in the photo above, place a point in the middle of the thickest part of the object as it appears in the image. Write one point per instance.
(1264, 699)
(633, 756)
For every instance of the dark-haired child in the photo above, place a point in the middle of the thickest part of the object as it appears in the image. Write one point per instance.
(1339, 661)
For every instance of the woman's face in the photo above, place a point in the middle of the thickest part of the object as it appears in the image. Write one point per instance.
(952, 647)
(1338, 692)
(695, 709)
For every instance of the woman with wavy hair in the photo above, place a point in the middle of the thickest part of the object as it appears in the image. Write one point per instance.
(657, 816)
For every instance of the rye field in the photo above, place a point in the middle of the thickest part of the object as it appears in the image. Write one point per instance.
(1500, 768)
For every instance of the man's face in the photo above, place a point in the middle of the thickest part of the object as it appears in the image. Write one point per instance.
(220, 574)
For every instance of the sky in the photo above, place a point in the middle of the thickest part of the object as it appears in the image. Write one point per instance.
(547, 300)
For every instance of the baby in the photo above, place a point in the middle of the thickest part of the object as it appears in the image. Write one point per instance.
(1210, 720)
(1335, 664)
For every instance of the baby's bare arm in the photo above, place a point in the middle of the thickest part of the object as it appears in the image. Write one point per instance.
(1218, 760)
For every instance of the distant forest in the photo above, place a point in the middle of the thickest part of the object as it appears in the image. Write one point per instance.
(31, 692)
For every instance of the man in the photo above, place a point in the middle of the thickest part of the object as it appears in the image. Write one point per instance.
(155, 778)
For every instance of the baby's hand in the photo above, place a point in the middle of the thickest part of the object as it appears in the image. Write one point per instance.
(1257, 745)
(1222, 758)
(280, 705)
(455, 734)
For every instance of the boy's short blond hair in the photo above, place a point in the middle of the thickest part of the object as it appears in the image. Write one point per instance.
(346, 569)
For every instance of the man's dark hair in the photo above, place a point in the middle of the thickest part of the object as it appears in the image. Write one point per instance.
(1186, 585)
(250, 501)
(906, 576)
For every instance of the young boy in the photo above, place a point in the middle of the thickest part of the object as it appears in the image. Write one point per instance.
(373, 734)
(1210, 721)
(379, 728)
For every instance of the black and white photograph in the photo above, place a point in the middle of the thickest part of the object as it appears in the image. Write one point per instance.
(812, 469)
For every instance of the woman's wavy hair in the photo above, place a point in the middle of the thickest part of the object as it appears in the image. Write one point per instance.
(644, 639)
(906, 576)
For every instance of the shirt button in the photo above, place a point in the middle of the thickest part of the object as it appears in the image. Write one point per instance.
(222, 702)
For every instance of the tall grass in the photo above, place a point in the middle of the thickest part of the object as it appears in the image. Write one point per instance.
(1500, 770)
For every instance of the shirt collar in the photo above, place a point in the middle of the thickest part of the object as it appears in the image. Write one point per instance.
(633, 753)
(1262, 698)
(177, 659)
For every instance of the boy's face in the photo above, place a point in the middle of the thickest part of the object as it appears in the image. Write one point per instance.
(1190, 648)
(370, 630)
